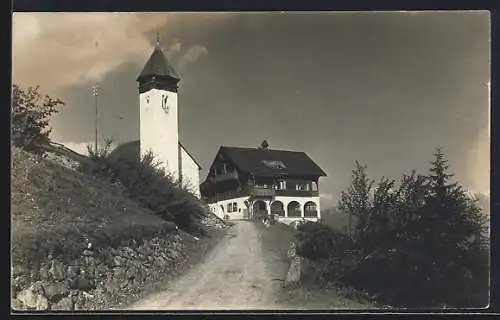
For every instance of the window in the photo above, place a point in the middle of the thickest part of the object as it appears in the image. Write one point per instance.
(281, 185)
(232, 207)
(302, 187)
(274, 164)
(221, 169)
(314, 186)
(164, 103)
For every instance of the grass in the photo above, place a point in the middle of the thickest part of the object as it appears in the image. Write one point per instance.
(277, 240)
(57, 211)
(326, 298)
(305, 296)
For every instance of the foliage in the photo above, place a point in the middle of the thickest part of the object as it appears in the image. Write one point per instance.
(356, 200)
(100, 164)
(30, 116)
(56, 211)
(315, 240)
(420, 242)
(146, 181)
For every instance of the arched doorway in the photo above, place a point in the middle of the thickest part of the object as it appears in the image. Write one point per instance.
(277, 208)
(310, 210)
(259, 209)
(293, 209)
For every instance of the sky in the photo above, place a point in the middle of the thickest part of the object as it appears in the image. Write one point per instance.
(383, 88)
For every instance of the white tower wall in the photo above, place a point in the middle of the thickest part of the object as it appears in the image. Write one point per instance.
(159, 128)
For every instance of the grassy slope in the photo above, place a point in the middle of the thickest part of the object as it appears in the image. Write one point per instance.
(55, 210)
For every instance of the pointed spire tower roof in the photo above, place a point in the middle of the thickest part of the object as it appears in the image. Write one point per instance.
(157, 71)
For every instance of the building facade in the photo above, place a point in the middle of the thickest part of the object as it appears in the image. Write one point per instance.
(247, 183)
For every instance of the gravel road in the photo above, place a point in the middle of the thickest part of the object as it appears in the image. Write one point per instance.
(236, 274)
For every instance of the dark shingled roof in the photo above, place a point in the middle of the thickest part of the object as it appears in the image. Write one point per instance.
(271, 162)
(158, 65)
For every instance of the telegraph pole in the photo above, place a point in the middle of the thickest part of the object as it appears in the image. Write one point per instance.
(95, 93)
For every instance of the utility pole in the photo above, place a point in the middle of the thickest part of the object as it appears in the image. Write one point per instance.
(95, 93)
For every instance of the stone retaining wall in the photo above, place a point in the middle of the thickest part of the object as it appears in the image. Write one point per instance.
(301, 269)
(97, 277)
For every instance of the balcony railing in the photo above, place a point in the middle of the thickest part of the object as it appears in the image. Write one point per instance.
(226, 176)
(261, 191)
(255, 191)
(297, 193)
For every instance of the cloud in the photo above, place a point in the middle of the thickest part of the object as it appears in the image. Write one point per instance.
(173, 49)
(192, 54)
(479, 164)
(60, 49)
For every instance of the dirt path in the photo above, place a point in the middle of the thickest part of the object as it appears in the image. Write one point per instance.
(236, 274)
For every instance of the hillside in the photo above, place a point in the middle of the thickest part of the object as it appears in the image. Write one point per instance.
(79, 242)
(56, 209)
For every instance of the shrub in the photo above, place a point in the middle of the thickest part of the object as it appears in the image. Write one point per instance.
(30, 117)
(317, 241)
(147, 183)
(422, 243)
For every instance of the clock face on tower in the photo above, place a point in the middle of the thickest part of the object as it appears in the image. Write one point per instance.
(164, 104)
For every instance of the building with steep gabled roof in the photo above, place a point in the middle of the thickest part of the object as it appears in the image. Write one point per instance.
(246, 183)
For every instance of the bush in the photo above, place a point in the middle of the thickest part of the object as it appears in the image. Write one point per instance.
(147, 183)
(317, 241)
(422, 243)
(30, 117)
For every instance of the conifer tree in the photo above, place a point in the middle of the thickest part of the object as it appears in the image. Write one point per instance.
(452, 233)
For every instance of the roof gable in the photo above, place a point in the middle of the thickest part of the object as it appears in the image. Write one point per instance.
(189, 154)
(271, 162)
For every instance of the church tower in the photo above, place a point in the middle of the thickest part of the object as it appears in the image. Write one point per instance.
(159, 129)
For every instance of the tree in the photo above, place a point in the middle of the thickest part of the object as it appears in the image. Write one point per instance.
(453, 235)
(380, 224)
(30, 117)
(411, 196)
(427, 234)
(356, 200)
